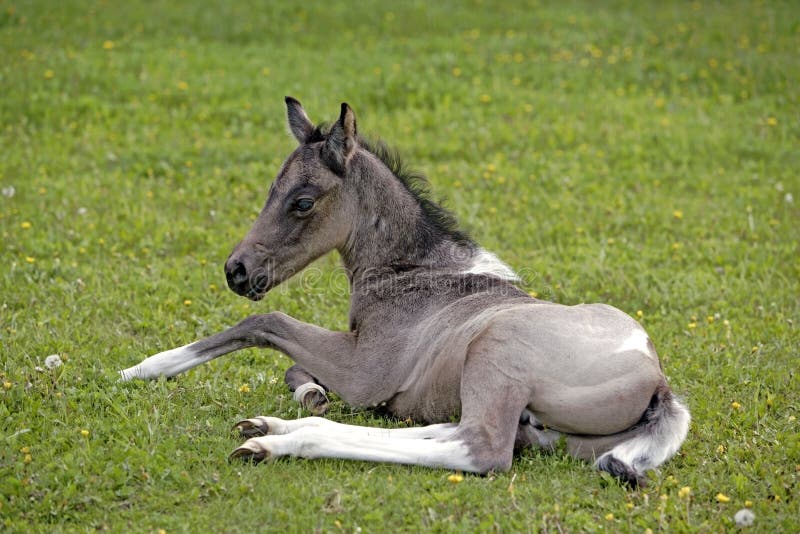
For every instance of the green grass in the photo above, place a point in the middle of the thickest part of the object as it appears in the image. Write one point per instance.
(643, 154)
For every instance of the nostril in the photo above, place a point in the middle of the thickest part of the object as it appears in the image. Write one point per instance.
(236, 273)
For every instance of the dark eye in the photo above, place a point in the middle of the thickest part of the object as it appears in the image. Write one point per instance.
(303, 204)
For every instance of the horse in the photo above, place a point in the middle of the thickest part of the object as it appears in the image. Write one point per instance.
(439, 332)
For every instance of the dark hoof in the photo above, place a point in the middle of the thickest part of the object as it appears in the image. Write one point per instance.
(248, 455)
(315, 402)
(251, 428)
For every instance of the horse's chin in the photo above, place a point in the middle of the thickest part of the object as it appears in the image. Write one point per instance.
(255, 296)
(259, 292)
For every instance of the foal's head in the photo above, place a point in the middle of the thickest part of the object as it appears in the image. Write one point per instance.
(306, 213)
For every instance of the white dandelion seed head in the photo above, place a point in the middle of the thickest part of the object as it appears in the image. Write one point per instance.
(53, 361)
(744, 517)
(9, 191)
(788, 198)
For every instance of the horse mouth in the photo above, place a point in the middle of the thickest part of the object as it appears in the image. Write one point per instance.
(259, 287)
(255, 296)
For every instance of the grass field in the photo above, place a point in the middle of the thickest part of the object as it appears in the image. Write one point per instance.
(645, 154)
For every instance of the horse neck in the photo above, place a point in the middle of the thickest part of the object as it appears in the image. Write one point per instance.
(390, 228)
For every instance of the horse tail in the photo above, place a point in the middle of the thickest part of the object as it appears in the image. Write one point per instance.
(651, 442)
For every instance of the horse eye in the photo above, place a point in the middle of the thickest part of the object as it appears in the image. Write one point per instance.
(303, 204)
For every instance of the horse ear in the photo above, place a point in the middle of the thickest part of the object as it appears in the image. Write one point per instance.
(299, 123)
(341, 142)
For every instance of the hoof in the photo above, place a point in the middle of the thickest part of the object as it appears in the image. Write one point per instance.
(246, 453)
(315, 402)
(251, 428)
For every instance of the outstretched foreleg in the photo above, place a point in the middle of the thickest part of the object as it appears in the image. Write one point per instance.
(326, 354)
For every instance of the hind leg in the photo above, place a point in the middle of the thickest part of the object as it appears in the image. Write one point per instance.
(492, 401)
(531, 433)
(307, 390)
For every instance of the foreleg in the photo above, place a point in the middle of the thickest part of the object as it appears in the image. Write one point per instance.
(324, 353)
(307, 390)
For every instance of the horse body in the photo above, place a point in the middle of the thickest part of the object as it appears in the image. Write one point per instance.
(438, 331)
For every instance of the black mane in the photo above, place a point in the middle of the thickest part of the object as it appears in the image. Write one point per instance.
(415, 183)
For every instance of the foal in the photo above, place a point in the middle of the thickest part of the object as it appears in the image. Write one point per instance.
(437, 330)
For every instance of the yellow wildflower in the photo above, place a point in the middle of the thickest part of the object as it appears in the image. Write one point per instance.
(486, 98)
(735, 405)
(772, 121)
(639, 314)
(722, 498)
(28, 459)
(7, 385)
(244, 388)
(108, 45)
(183, 86)
(85, 433)
(455, 478)
(25, 225)
(25, 450)
(187, 302)
(456, 72)
(49, 74)
(684, 492)
(748, 504)
(609, 517)
(678, 214)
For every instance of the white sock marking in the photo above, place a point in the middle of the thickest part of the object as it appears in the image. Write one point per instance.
(168, 363)
(335, 440)
(301, 390)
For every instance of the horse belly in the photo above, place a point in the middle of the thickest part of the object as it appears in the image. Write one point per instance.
(433, 396)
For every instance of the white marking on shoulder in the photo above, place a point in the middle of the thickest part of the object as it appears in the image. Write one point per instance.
(485, 262)
(637, 340)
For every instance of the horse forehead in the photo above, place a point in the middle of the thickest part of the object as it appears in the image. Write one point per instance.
(296, 168)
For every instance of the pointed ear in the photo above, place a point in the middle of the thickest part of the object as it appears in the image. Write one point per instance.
(341, 143)
(299, 123)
